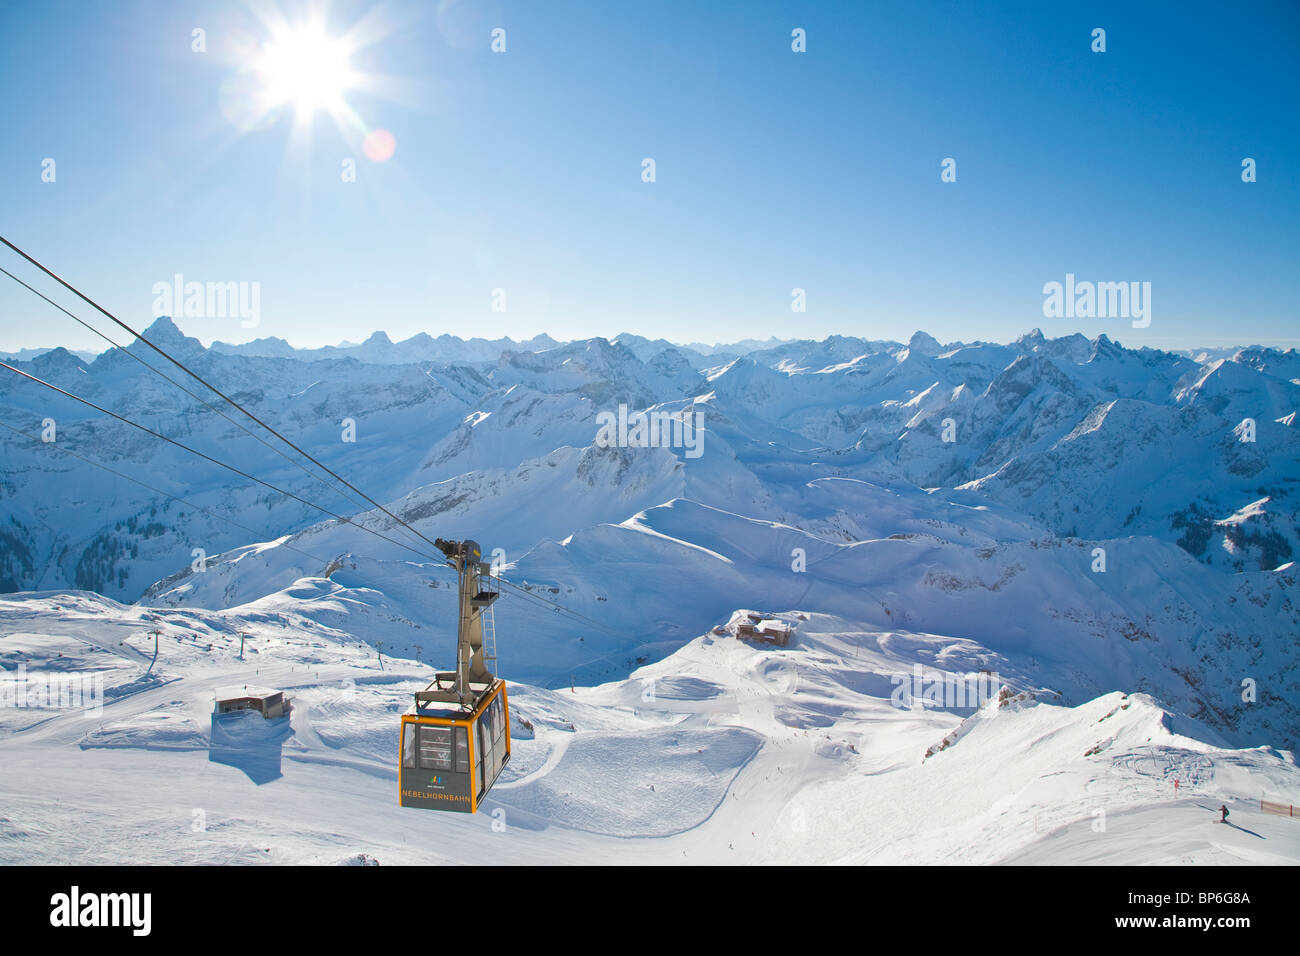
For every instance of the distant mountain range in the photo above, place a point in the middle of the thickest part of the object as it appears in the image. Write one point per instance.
(1099, 517)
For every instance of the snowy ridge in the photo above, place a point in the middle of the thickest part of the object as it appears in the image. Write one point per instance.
(1098, 528)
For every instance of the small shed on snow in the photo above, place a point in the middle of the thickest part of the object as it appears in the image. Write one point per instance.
(267, 701)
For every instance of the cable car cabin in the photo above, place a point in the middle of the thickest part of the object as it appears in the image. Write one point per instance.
(456, 737)
(451, 755)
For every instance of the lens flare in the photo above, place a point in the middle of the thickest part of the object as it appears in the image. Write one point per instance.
(379, 145)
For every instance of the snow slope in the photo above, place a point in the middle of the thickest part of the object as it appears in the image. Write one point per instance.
(722, 752)
(1086, 439)
(1109, 532)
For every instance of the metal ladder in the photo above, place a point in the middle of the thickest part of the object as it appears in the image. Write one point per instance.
(488, 621)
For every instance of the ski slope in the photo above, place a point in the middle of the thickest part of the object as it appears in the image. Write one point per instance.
(721, 752)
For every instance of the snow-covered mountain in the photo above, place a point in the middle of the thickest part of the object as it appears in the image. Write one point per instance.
(379, 349)
(26, 355)
(1089, 438)
(1079, 519)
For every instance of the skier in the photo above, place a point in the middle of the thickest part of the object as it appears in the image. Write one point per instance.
(1224, 811)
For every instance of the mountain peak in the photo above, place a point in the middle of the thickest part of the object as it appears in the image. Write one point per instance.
(56, 360)
(1031, 339)
(163, 329)
(1103, 347)
(924, 344)
(165, 334)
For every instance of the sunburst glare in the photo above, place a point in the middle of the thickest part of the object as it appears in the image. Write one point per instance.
(302, 68)
(306, 69)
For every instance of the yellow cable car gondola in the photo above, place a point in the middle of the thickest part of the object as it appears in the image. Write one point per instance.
(455, 738)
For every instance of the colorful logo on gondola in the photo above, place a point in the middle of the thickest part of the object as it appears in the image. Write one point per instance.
(435, 781)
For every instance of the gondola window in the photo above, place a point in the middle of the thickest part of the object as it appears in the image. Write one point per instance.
(435, 748)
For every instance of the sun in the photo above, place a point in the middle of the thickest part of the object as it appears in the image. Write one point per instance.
(304, 68)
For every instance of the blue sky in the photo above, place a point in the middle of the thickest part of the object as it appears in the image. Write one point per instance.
(775, 170)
